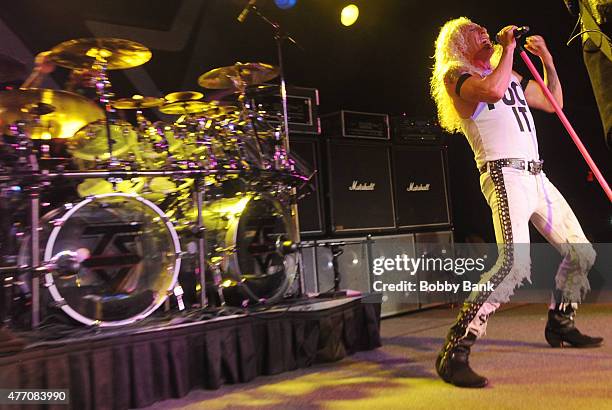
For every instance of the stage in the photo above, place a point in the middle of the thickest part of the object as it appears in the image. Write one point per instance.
(524, 372)
(161, 359)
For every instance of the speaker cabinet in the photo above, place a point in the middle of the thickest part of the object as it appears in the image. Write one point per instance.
(309, 268)
(421, 187)
(310, 209)
(360, 187)
(436, 245)
(358, 262)
(353, 265)
(391, 247)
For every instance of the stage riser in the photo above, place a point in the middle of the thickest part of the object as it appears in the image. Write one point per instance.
(138, 367)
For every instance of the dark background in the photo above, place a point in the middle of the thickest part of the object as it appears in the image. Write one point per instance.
(381, 64)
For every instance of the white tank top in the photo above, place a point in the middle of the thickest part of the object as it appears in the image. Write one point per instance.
(504, 129)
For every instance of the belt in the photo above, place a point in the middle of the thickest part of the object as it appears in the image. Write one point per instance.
(534, 167)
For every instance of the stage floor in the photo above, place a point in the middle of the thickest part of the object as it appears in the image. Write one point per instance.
(524, 372)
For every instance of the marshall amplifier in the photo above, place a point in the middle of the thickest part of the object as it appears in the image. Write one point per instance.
(360, 189)
(302, 106)
(310, 210)
(421, 186)
(354, 124)
(408, 130)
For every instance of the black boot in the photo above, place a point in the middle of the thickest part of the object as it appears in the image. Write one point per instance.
(561, 329)
(454, 366)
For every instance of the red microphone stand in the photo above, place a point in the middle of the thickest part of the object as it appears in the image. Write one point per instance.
(566, 123)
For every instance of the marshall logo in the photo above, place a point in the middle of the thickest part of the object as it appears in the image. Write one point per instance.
(418, 187)
(362, 186)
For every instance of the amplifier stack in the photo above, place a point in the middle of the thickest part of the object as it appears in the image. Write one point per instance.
(382, 181)
(374, 175)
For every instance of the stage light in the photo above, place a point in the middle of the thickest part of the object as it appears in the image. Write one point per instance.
(349, 15)
(285, 4)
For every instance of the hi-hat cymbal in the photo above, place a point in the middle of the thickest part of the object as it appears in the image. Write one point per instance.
(11, 69)
(244, 73)
(184, 107)
(136, 102)
(183, 96)
(61, 113)
(115, 53)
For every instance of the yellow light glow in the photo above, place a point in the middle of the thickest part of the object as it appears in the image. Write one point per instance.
(349, 15)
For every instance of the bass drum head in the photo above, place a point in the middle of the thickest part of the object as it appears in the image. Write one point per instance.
(127, 255)
(248, 224)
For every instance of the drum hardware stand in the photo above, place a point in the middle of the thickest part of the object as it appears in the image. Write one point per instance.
(28, 162)
(178, 293)
(279, 37)
(35, 252)
(200, 191)
(102, 85)
(7, 282)
(217, 279)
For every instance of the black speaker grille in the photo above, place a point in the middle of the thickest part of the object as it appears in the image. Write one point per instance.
(420, 186)
(310, 206)
(361, 197)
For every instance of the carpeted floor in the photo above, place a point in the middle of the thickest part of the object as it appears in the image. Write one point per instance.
(524, 372)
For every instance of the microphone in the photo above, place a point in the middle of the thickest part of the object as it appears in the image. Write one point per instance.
(520, 32)
(245, 12)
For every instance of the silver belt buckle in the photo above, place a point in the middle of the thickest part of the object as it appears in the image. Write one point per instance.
(535, 167)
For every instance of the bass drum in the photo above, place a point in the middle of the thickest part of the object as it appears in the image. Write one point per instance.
(115, 258)
(244, 230)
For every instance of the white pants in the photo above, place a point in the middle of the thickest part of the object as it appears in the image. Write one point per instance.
(533, 198)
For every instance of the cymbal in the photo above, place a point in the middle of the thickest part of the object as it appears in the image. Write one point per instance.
(116, 53)
(136, 102)
(11, 69)
(247, 73)
(62, 113)
(220, 110)
(183, 96)
(90, 143)
(184, 107)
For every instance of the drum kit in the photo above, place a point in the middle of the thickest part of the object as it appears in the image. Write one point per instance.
(156, 212)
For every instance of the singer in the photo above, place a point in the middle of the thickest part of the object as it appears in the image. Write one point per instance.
(478, 94)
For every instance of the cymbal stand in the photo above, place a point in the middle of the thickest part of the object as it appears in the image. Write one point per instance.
(199, 192)
(279, 36)
(246, 115)
(27, 162)
(104, 94)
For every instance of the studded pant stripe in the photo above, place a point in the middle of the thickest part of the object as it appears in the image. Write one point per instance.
(470, 309)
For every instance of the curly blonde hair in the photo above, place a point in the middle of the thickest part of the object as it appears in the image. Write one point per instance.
(450, 61)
